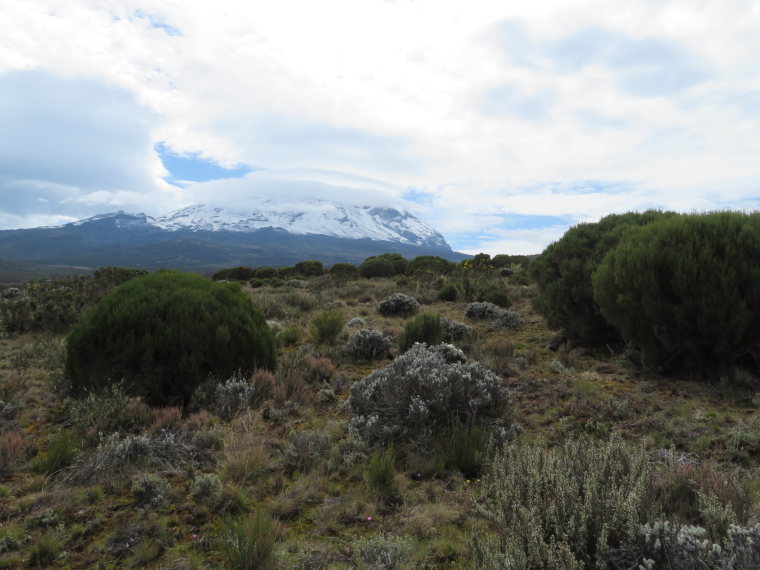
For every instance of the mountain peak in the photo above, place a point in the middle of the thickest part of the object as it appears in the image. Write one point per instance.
(306, 216)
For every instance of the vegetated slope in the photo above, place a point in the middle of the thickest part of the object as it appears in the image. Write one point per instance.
(329, 500)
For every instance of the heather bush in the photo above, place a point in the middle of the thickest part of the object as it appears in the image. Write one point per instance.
(166, 333)
(398, 305)
(309, 268)
(564, 270)
(419, 394)
(326, 327)
(563, 507)
(482, 310)
(428, 265)
(344, 271)
(385, 265)
(367, 345)
(448, 293)
(425, 328)
(684, 291)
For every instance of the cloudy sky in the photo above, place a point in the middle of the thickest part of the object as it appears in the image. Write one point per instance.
(501, 123)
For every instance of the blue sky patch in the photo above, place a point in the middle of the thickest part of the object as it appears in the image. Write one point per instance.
(159, 23)
(185, 168)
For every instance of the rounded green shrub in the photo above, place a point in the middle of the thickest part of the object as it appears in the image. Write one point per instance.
(563, 273)
(448, 293)
(377, 267)
(685, 290)
(344, 271)
(430, 264)
(166, 333)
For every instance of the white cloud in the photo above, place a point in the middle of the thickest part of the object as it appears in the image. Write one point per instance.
(478, 110)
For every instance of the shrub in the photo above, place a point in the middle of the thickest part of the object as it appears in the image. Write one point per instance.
(234, 274)
(43, 353)
(397, 305)
(233, 397)
(248, 542)
(205, 486)
(367, 345)
(267, 273)
(428, 264)
(684, 290)
(149, 490)
(509, 320)
(385, 551)
(448, 293)
(482, 310)
(425, 328)
(326, 327)
(319, 369)
(562, 507)
(310, 268)
(563, 273)
(296, 283)
(344, 271)
(385, 265)
(165, 334)
(304, 450)
(288, 337)
(419, 394)
(450, 353)
(453, 330)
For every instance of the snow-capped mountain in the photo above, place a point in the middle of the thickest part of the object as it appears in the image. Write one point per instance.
(308, 216)
(277, 232)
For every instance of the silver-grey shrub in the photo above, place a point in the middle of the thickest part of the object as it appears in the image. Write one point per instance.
(509, 320)
(367, 344)
(453, 330)
(563, 507)
(663, 544)
(233, 397)
(419, 394)
(149, 490)
(398, 305)
(483, 310)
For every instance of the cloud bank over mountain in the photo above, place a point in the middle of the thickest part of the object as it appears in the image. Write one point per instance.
(501, 123)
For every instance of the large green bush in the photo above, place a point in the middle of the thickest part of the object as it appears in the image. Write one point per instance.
(384, 265)
(563, 273)
(686, 290)
(164, 334)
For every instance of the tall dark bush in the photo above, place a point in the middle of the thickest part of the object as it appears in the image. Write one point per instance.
(166, 333)
(430, 264)
(344, 271)
(686, 290)
(425, 328)
(563, 273)
(380, 265)
(309, 268)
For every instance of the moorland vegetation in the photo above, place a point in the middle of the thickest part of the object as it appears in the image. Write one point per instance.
(399, 414)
